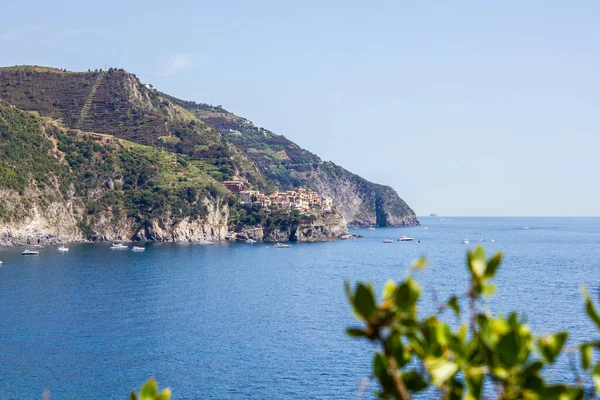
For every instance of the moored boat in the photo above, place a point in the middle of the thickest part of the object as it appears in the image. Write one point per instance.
(30, 253)
(282, 246)
(62, 249)
(118, 246)
(405, 239)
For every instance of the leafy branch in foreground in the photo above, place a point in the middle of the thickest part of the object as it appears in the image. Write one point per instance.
(150, 392)
(496, 352)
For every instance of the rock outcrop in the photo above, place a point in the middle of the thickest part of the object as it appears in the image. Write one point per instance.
(324, 227)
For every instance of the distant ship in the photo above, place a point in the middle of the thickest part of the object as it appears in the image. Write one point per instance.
(434, 215)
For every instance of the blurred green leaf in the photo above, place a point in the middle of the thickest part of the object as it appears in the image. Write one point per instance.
(364, 301)
(420, 263)
(355, 332)
(440, 370)
(508, 348)
(550, 346)
(150, 392)
(476, 261)
(149, 389)
(407, 294)
(388, 289)
(589, 307)
(586, 356)
(413, 381)
(488, 289)
(492, 265)
(559, 392)
(596, 378)
(380, 364)
(164, 395)
(348, 289)
(474, 380)
(453, 304)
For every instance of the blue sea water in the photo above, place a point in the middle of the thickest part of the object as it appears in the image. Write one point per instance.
(240, 321)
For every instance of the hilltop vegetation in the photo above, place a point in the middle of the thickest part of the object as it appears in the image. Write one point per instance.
(45, 163)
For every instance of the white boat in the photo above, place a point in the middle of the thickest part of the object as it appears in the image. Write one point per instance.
(250, 241)
(388, 241)
(118, 246)
(281, 246)
(38, 246)
(30, 253)
(492, 240)
(371, 228)
(138, 248)
(0, 262)
(526, 227)
(405, 239)
(205, 242)
(465, 241)
(62, 249)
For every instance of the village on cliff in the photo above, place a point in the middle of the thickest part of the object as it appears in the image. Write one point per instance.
(300, 199)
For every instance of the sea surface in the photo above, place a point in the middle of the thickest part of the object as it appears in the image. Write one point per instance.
(241, 321)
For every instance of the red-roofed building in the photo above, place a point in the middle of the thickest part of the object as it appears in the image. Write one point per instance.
(234, 186)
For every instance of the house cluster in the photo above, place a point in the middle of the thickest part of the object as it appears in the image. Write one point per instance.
(300, 199)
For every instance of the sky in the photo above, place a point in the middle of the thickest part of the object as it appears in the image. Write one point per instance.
(471, 108)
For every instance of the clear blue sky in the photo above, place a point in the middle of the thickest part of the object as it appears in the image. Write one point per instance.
(465, 108)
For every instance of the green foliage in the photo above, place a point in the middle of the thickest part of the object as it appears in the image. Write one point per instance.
(414, 354)
(150, 392)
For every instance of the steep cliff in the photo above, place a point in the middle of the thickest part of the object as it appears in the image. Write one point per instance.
(316, 228)
(61, 185)
(362, 203)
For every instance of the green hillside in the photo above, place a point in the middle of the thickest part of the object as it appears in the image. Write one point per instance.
(209, 143)
(44, 163)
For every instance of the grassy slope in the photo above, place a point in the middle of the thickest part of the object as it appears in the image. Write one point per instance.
(43, 162)
(123, 107)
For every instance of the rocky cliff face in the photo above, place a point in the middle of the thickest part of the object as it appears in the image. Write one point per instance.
(361, 202)
(60, 222)
(326, 226)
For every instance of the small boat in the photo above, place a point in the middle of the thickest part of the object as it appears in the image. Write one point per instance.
(405, 239)
(371, 228)
(526, 227)
(465, 241)
(0, 262)
(388, 241)
(30, 253)
(118, 246)
(250, 241)
(492, 240)
(62, 249)
(138, 248)
(281, 246)
(205, 242)
(38, 246)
